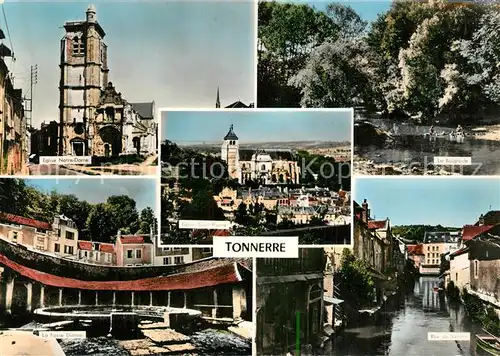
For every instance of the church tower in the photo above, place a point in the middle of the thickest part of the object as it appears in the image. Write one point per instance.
(84, 73)
(217, 101)
(230, 153)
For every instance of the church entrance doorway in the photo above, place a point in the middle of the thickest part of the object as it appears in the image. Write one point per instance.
(78, 147)
(112, 139)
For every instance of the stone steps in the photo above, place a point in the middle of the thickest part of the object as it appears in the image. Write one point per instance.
(159, 339)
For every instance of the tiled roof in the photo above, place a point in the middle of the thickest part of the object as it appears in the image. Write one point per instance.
(230, 134)
(223, 274)
(459, 252)
(145, 110)
(109, 248)
(85, 245)
(20, 220)
(415, 249)
(492, 214)
(237, 105)
(131, 239)
(377, 224)
(470, 231)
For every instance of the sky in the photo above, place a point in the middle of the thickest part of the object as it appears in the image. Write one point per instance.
(143, 190)
(256, 126)
(450, 202)
(368, 10)
(173, 53)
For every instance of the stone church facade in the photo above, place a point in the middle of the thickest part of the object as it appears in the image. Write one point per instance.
(265, 166)
(94, 118)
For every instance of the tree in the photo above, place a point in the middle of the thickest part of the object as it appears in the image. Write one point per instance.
(148, 221)
(13, 197)
(482, 55)
(124, 213)
(287, 33)
(74, 208)
(100, 225)
(309, 238)
(336, 74)
(356, 283)
(241, 214)
(348, 22)
(202, 207)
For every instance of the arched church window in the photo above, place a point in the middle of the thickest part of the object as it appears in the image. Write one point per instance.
(78, 48)
(263, 167)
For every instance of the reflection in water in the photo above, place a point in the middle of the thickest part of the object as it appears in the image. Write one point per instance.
(404, 332)
(412, 147)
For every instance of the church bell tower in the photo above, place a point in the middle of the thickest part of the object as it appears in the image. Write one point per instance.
(230, 154)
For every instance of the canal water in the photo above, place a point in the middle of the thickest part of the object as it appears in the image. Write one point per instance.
(404, 332)
(411, 146)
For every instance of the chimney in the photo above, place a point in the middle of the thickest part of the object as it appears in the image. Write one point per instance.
(365, 214)
(481, 220)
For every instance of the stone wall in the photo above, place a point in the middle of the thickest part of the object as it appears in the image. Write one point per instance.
(486, 279)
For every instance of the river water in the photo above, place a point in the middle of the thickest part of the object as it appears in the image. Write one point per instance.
(405, 331)
(412, 147)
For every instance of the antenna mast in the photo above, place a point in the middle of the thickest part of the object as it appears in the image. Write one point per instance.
(33, 81)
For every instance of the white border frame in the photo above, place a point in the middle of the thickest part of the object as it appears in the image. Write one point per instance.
(162, 111)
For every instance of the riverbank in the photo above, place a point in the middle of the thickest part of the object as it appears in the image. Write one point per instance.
(490, 132)
(364, 166)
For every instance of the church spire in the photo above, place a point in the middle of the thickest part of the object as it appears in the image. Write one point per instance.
(217, 102)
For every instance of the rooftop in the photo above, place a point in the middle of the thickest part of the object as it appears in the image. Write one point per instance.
(377, 224)
(21, 220)
(470, 232)
(230, 134)
(145, 110)
(222, 274)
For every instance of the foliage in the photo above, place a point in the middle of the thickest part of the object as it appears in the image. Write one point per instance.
(480, 313)
(335, 75)
(416, 233)
(96, 222)
(356, 282)
(452, 292)
(418, 58)
(287, 34)
(325, 172)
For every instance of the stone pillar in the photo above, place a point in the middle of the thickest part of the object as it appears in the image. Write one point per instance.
(60, 296)
(29, 296)
(214, 309)
(96, 298)
(9, 294)
(79, 297)
(42, 296)
(150, 299)
(239, 301)
(168, 299)
(185, 300)
(132, 301)
(114, 298)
